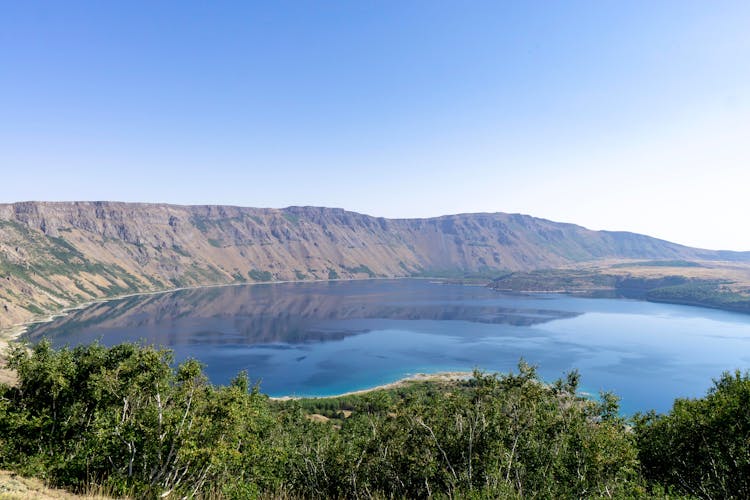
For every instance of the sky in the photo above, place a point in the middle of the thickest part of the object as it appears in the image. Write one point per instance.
(621, 115)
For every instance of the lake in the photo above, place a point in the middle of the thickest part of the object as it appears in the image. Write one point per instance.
(328, 338)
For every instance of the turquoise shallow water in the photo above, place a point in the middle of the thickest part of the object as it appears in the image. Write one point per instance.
(334, 337)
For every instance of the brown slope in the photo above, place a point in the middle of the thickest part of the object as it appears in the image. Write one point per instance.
(54, 255)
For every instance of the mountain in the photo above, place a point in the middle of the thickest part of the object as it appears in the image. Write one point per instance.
(56, 255)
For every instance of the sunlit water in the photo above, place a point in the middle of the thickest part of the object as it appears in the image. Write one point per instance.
(330, 338)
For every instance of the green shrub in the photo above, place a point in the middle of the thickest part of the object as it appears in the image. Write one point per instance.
(702, 446)
(127, 419)
(124, 418)
(257, 275)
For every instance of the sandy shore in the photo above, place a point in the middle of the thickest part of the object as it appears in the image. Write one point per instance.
(418, 377)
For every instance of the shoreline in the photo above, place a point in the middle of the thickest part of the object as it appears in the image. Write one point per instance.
(448, 376)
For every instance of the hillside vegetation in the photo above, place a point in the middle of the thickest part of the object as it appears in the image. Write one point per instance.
(125, 421)
(56, 255)
(720, 286)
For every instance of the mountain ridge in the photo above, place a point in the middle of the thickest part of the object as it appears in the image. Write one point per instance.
(59, 254)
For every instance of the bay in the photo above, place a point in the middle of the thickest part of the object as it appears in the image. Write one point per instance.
(326, 338)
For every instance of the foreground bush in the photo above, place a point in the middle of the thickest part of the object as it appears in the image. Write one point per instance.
(123, 418)
(126, 420)
(702, 447)
(508, 436)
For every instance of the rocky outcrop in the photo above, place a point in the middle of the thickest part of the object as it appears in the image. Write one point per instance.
(54, 255)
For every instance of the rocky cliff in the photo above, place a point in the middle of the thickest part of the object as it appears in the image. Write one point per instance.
(54, 255)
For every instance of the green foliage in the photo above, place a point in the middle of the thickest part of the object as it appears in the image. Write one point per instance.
(706, 294)
(671, 289)
(48, 257)
(257, 275)
(299, 275)
(571, 280)
(702, 447)
(123, 418)
(361, 269)
(64, 251)
(33, 309)
(332, 274)
(496, 437)
(127, 419)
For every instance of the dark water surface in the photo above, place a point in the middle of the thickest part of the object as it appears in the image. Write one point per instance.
(334, 337)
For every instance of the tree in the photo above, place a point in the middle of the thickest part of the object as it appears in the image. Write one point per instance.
(702, 446)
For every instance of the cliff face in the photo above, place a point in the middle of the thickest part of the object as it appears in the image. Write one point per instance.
(54, 255)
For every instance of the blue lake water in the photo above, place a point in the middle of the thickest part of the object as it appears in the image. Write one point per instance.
(333, 337)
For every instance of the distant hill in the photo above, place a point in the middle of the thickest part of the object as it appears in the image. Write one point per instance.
(55, 255)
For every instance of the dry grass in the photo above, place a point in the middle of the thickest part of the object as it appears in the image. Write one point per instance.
(736, 272)
(316, 417)
(14, 487)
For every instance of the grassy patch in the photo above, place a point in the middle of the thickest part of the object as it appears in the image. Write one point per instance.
(33, 309)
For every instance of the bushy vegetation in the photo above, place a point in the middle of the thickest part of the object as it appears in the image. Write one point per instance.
(123, 418)
(675, 289)
(554, 280)
(702, 446)
(257, 275)
(126, 419)
(494, 438)
(707, 294)
(361, 269)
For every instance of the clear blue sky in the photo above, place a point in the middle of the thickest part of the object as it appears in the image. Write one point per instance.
(615, 115)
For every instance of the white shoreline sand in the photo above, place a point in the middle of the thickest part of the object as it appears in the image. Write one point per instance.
(417, 377)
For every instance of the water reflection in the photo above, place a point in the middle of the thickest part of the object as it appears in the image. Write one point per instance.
(285, 314)
(329, 338)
